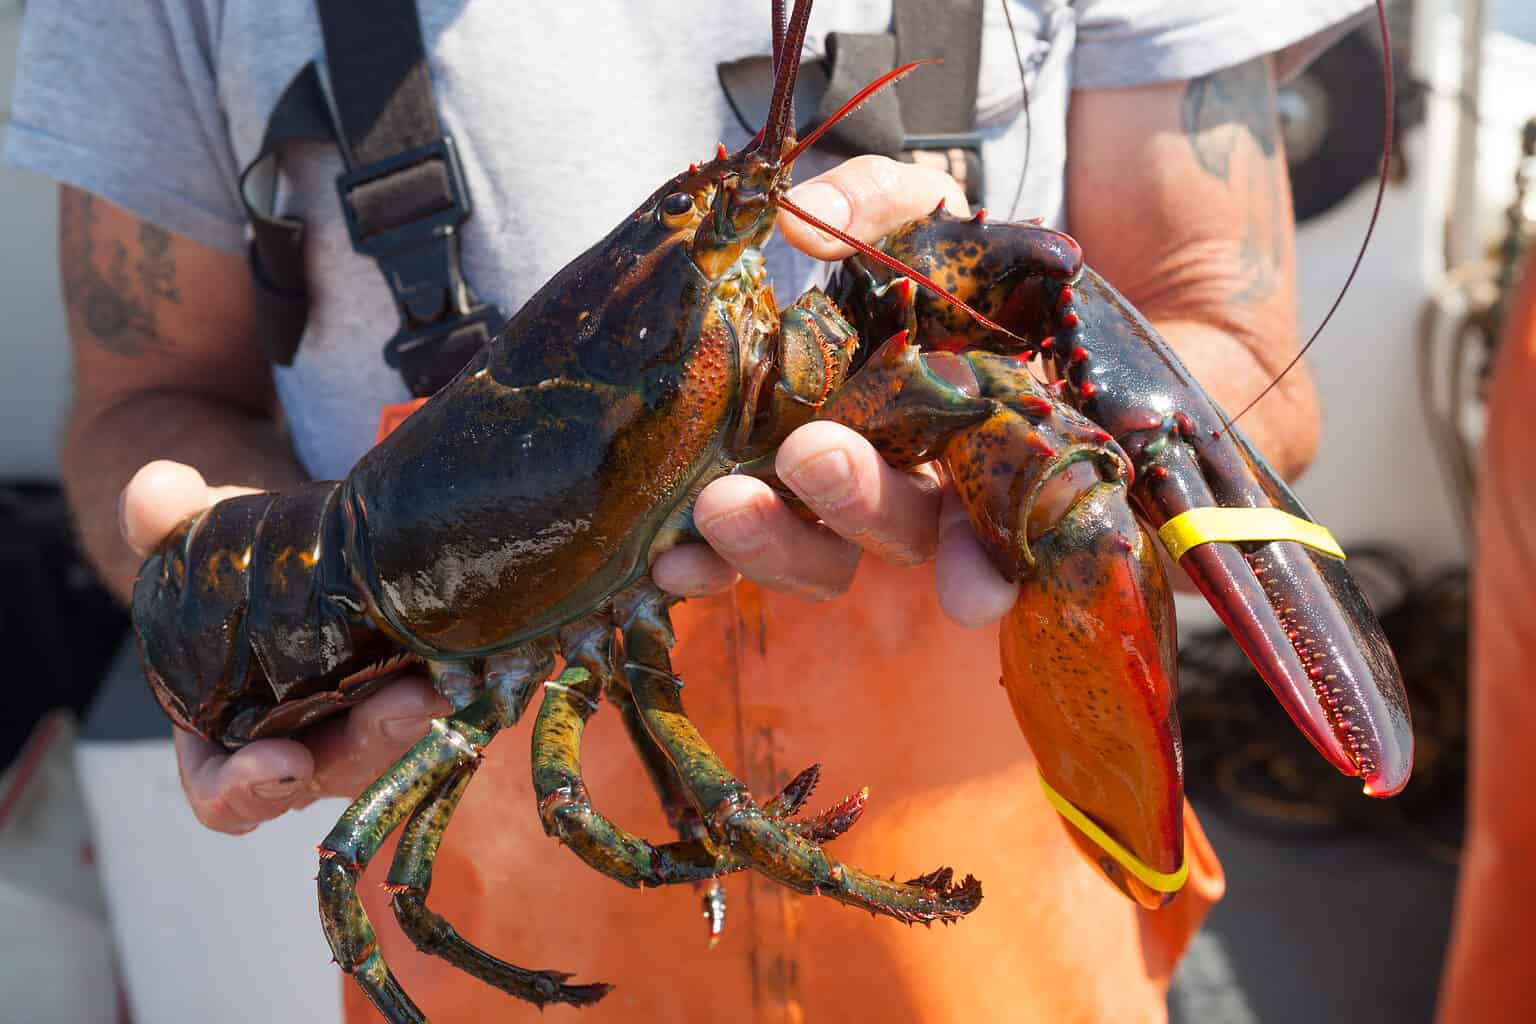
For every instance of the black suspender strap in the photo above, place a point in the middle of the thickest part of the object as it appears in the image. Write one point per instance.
(403, 194)
(939, 113)
(276, 249)
(934, 118)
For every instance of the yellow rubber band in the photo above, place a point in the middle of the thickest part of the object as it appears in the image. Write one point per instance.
(1158, 881)
(1204, 525)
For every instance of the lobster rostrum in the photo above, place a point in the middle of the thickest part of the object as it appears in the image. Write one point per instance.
(510, 522)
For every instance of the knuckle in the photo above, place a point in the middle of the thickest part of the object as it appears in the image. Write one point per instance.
(218, 816)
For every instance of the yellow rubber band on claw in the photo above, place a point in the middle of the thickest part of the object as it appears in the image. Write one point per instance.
(1204, 525)
(1158, 881)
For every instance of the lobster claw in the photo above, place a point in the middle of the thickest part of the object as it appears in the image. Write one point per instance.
(1097, 704)
(1272, 575)
(1088, 657)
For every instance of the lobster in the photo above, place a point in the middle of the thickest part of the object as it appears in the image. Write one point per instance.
(508, 526)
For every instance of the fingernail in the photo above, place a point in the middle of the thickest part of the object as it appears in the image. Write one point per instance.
(952, 514)
(277, 789)
(409, 728)
(739, 532)
(122, 515)
(823, 201)
(825, 480)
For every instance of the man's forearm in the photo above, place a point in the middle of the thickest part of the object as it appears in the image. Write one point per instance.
(103, 450)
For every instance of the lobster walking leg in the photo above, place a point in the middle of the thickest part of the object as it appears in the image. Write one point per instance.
(727, 806)
(410, 876)
(423, 772)
(569, 816)
(680, 814)
(822, 828)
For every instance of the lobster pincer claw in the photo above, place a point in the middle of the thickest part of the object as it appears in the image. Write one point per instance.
(1274, 576)
(1098, 704)
(1087, 649)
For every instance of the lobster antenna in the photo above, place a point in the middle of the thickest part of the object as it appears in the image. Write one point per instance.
(779, 124)
(1029, 124)
(778, 35)
(858, 100)
(1381, 191)
(895, 264)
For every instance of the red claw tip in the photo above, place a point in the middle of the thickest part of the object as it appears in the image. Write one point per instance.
(693, 168)
(1079, 355)
(943, 206)
(720, 153)
(1066, 294)
(1158, 472)
(1069, 319)
(981, 214)
(1047, 344)
(1088, 389)
(1039, 444)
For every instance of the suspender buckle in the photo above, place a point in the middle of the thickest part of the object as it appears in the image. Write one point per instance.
(405, 212)
(430, 355)
(958, 153)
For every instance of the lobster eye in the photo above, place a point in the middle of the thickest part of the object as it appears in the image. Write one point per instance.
(677, 209)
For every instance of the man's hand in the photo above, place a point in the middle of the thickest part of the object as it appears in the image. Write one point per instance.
(236, 792)
(864, 504)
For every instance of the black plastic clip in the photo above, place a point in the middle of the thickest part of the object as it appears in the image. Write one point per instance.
(961, 152)
(405, 212)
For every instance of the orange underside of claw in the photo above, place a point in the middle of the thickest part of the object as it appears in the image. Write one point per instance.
(1088, 664)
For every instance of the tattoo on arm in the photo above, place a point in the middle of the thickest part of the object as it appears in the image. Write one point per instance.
(116, 293)
(1237, 96)
(1220, 110)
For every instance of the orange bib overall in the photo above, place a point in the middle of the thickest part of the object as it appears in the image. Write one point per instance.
(882, 690)
(1491, 975)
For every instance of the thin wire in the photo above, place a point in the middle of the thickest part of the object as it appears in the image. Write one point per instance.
(1381, 191)
(858, 100)
(1029, 124)
(896, 265)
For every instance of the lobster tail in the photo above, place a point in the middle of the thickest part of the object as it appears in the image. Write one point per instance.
(247, 608)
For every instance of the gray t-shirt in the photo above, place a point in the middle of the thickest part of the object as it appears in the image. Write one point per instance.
(565, 115)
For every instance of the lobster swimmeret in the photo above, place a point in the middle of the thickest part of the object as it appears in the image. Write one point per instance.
(512, 520)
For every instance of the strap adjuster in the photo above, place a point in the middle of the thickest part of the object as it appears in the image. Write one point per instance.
(958, 153)
(405, 212)
(423, 188)
(430, 355)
